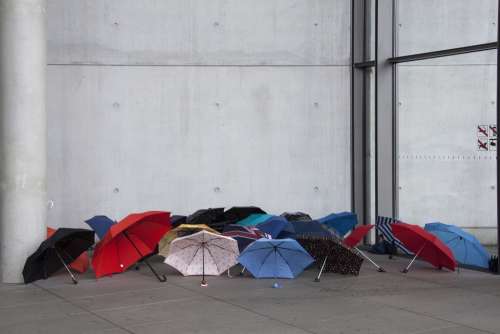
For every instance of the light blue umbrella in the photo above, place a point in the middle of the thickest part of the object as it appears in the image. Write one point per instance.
(465, 247)
(254, 219)
(341, 222)
(273, 258)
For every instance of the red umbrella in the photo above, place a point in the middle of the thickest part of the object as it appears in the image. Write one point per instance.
(81, 263)
(130, 240)
(354, 238)
(424, 245)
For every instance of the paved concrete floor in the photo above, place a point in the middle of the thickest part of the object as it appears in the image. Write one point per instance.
(422, 301)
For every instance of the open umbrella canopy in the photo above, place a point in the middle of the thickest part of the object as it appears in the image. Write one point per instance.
(267, 258)
(238, 213)
(339, 258)
(254, 219)
(128, 241)
(81, 263)
(278, 227)
(310, 229)
(60, 249)
(244, 235)
(296, 216)
(465, 247)
(355, 237)
(342, 222)
(213, 217)
(100, 224)
(180, 231)
(203, 253)
(177, 220)
(425, 245)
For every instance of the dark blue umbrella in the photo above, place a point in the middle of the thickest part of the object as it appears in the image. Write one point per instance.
(244, 235)
(278, 227)
(465, 247)
(342, 222)
(100, 224)
(311, 229)
(268, 258)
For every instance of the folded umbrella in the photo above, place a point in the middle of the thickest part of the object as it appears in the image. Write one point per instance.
(278, 227)
(342, 222)
(238, 213)
(130, 240)
(465, 247)
(425, 245)
(81, 263)
(203, 253)
(244, 235)
(100, 224)
(355, 237)
(180, 231)
(268, 258)
(60, 249)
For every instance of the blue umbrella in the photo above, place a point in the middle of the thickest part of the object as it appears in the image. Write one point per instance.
(254, 219)
(278, 227)
(465, 247)
(100, 224)
(342, 222)
(311, 229)
(271, 258)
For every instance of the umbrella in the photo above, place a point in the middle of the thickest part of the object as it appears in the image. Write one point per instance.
(238, 213)
(63, 247)
(296, 216)
(254, 219)
(342, 222)
(336, 257)
(81, 263)
(100, 224)
(180, 231)
(278, 227)
(465, 247)
(268, 258)
(425, 245)
(212, 217)
(177, 220)
(355, 237)
(310, 229)
(203, 253)
(244, 235)
(130, 240)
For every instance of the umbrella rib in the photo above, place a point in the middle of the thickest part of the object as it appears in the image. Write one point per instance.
(227, 250)
(289, 266)
(265, 258)
(293, 250)
(213, 258)
(194, 255)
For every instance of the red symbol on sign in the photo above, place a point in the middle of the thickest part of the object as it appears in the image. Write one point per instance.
(482, 130)
(482, 146)
(493, 130)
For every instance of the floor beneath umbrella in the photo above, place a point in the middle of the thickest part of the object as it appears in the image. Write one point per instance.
(422, 301)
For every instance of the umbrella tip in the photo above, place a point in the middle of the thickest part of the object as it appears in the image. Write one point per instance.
(203, 284)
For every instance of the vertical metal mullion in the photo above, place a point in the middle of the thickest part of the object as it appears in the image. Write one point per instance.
(497, 122)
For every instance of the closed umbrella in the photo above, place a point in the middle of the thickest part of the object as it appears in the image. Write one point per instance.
(55, 253)
(203, 253)
(269, 258)
(424, 245)
(130, 240)
(465, 247)
(180, 231)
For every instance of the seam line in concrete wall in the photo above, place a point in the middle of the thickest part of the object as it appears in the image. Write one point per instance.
(187, 65)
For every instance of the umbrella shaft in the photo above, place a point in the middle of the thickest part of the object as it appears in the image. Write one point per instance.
(415, 257)
(366, 257)
(64, 264)
(322, 267)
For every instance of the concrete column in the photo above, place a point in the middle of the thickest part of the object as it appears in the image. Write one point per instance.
(23, 128)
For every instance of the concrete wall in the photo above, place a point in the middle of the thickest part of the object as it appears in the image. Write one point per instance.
(442, 175)
(185, 104)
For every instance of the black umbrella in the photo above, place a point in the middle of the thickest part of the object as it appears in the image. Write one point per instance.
(333, 256)
(177, 220)
(211, 217)
(238, 213)
(63, 247)
(296, 216)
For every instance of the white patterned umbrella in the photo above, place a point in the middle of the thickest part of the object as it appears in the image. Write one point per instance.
(203, 253)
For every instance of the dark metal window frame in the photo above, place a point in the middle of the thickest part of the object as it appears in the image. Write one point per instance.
(365, 64)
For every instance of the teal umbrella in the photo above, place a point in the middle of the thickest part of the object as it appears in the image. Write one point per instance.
(254, 219)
